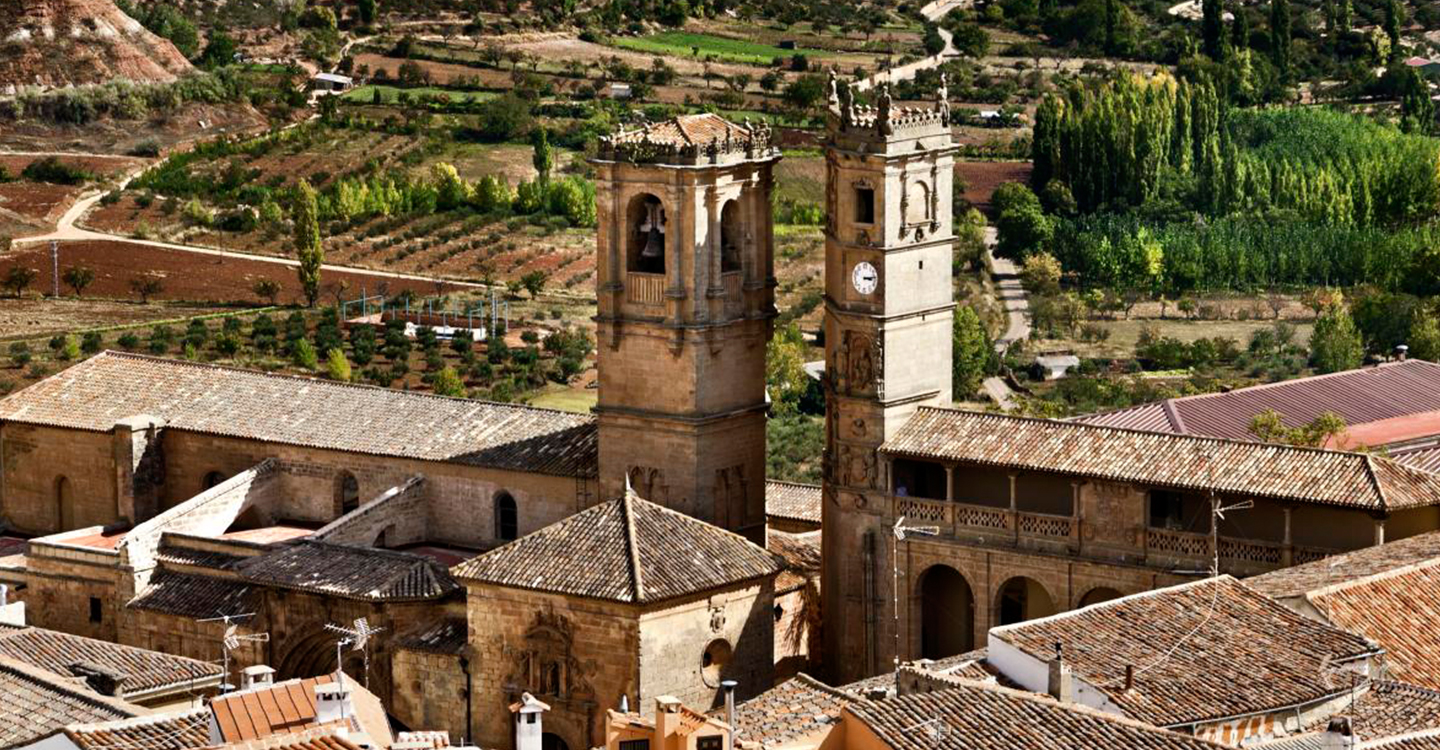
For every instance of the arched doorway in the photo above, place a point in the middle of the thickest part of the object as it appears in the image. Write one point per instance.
(552, 741)
(947, 613)
(1022, 599)
(64, 504)
(1097, 595)
(507, 518)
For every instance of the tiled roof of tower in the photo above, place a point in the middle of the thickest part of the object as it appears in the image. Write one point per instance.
(363, 573)
(111, 386)
(792, 501)
(974, 716)
(1196, 650)
(195, 596)
(1311, 475)
(35, 703)
(1398, 609)
(626, 550)
(185, 730)
(145, 670)
(686, 130)
(1370, 394)
(796, 708)
(1350, 566)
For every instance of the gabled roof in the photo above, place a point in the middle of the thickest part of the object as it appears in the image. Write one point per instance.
(184, 730)
(1400, 610)
(1371, 394)
(95, 394)
(1196, 650)
(626, 550)
(792, 501)
(970, 716)
(145, 671)
(289, 708)
(1310, 475)
(195, 596)
(797, 708)
(35, 703)
(364, 573)
(1300, 580)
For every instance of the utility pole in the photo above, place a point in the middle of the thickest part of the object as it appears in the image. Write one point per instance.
(55, 268)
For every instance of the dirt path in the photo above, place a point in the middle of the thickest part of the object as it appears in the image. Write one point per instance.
(932, 12)
(1017, 310)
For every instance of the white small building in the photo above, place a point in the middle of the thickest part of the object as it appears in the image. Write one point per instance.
(619, 91)
(333, 82)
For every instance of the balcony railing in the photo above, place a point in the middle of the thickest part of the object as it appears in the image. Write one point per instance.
(645, 288)
(952, 517)
(733, 281)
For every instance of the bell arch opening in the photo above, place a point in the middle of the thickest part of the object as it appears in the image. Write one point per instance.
(645, 247)
(732, 237)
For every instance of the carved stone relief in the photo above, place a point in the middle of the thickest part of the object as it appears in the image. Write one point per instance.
(544, 662)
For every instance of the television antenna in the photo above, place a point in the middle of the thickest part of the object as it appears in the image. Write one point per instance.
(901, 533)
(233, 639)
(357, 637)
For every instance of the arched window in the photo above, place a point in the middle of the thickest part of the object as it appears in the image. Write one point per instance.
(507, 517)
(732, 235)
(714, 661)
(211, 479)
(917, 203)
(645, 248)
(64, 504)
(347, 492)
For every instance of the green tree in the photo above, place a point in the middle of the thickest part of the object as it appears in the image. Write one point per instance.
(304, 356)
(219, 51)
(1424, 339)
(973, 353)
(1269, 426)
(1280, 36)
(18, 278)
(1394, 19)
(78, 277)
(804, 93)
(534, 282)
(1335, 344)
(1212, 29)
(1041, 273)
(266, 289)
(308, 249)
(367, 11)
(448, 383)
(337, 366)
(543, 159)
(451, 192)
(785, 369)
(1022, 225)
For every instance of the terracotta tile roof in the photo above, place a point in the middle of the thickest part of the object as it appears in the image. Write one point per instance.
(1350, 566)
(799, 707)
(321, 738)
(1389, 708)
(185, 730)
(111, 386)
(792, 501)
(1370, 394)
(195, 596)
(1400, 610)
(1196, 650)
(289, 708)
(36, 703)
(364, 573)
(145, 670)
(626, 550)
(1425, 740)
(801, 553)
(969, 666)
(984, 717)
(447, 636)
(1246, 468)
(687, 130)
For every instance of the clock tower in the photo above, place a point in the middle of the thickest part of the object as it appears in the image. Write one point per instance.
(889, 311)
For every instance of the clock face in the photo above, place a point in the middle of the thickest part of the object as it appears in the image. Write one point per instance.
(865, 278)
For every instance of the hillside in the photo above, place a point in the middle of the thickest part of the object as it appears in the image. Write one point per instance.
(57, 43)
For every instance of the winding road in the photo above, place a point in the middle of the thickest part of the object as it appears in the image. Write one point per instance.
(1017, 315)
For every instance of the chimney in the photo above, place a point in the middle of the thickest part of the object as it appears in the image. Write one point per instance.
(729, 686)
(101, 679)
(667, 718)
(258, 676)
(332, 702)
(529, 724)
(1060, 685)
(1401, 352)
(1338, 735)
(1129, 677)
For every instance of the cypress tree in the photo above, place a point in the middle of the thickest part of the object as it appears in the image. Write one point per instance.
(1280, 36)
(1045, 146)
(1212, 29)
(1240, 30)
(308, 249)
(1394, 17)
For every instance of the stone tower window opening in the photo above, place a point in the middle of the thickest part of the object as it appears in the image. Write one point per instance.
(864, 205)
(347, 492)
(507, 517)
(645, 250)
(732, 237)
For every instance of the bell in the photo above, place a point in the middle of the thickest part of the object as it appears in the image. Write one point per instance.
(654, 244)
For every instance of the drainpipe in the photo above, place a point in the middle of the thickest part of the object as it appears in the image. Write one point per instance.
(729, 686)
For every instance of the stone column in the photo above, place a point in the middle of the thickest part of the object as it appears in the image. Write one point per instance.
(1287, 552)
(1380, 530)
(950, 482)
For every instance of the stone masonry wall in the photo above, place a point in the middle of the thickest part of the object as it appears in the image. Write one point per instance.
(674, 641)
(398, 514)
(35, 458)
(429, 690)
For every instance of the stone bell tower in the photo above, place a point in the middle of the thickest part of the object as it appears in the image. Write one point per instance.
(889, 310)
(685, 280)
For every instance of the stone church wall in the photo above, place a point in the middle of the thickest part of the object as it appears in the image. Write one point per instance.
(35, 458)
(737, 629)
(430, 691)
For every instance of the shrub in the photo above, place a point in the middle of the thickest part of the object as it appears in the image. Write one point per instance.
(52, 170)
(337, 366)
(128, 341)
(266, 289)
(92, 342)
(303, 354)
(20, 354)
(147, 286)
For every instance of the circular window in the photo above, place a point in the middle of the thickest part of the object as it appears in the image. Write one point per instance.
(714, 662)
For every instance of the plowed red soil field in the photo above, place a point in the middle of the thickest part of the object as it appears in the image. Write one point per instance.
(192, 276)
(982, 177)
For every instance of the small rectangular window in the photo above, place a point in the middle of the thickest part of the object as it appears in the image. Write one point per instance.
(529, 718)
(96, 613)
(634, 744)
(864, 205)
(710, 743)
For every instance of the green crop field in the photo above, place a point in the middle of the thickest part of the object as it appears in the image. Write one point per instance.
(684, 43)
(388, 94)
